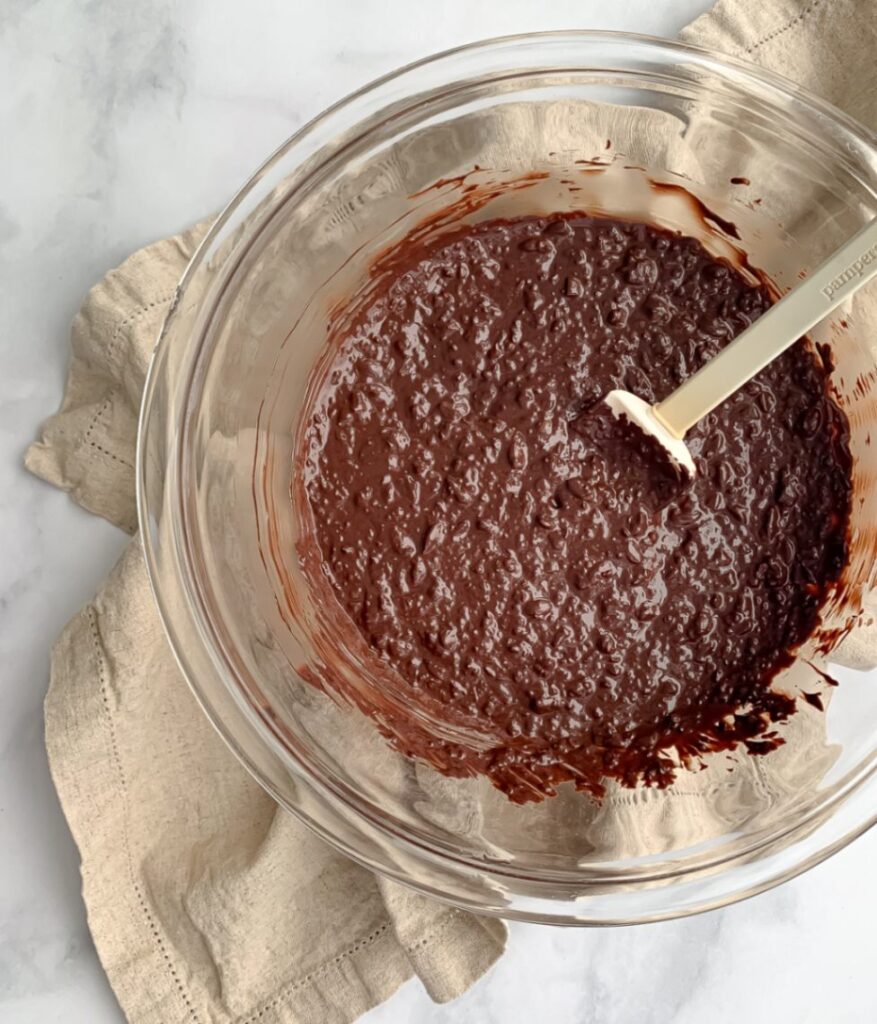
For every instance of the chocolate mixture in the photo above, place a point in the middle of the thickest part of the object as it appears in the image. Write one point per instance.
(517, 555)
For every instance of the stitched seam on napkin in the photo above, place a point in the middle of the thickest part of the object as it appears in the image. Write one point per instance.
(131, 318)
(105, 404)
(115, 458)
(801, 16)
(293, 986)
(135, 315)
(431, 936)
(93, 444)
(117, 760)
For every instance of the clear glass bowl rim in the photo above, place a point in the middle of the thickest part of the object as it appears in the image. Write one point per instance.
(859, 138)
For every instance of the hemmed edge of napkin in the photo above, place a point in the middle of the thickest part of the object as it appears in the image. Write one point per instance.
(478, 943)
(86, 448)
(88, 771)
(738, 27)
(128, 938)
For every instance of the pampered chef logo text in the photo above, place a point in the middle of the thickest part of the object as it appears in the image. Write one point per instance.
(855, 269)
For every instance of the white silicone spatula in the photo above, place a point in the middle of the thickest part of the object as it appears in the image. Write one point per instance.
(842, 274)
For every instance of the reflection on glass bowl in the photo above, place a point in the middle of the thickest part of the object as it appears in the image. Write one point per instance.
(552, 122)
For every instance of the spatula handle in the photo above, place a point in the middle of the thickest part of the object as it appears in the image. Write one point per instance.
(852, 266)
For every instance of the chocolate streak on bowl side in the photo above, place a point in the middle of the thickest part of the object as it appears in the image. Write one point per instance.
(512, 557)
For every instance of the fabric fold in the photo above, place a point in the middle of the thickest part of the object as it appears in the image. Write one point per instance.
(206, 901)
(228, 912)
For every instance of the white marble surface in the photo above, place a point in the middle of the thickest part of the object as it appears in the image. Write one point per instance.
(122, 122)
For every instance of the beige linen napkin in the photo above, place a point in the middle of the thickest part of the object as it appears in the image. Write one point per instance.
(207, 903)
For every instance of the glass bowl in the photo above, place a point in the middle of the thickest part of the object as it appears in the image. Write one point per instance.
(624, 124)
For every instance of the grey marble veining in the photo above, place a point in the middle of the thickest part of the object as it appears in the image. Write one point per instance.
(123, 122)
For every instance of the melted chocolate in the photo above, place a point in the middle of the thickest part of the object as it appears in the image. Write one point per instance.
(517, 555)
